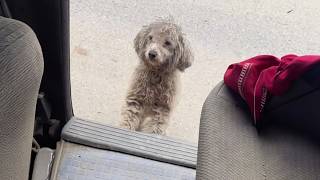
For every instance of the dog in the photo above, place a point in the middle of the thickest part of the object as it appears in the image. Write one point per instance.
(164, 53)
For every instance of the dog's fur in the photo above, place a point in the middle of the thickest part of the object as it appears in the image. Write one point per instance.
(151, 95)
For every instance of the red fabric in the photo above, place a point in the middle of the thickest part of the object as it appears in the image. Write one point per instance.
(259, 77)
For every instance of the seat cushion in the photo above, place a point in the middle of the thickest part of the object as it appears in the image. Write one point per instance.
(231, 148)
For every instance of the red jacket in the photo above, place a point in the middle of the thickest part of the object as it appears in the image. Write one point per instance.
(260, 77)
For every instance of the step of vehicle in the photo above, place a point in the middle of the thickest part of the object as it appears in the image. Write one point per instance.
(160, 148)
(74, 161)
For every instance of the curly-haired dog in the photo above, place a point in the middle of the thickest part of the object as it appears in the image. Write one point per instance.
(163, 52)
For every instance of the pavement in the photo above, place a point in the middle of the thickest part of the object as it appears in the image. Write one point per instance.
(220, 32)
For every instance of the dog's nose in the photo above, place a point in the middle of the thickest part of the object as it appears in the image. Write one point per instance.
(152, 54)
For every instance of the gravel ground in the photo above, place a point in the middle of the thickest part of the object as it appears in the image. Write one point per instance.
(221, 32)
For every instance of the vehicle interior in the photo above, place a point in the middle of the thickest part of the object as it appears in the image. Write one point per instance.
(40, 138)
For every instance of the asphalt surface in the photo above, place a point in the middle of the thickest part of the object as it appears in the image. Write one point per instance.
(220, 32)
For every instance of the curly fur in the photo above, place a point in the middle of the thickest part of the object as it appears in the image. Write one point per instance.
(152, 93)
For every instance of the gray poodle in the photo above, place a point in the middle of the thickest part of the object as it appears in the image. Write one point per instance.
(163, 54)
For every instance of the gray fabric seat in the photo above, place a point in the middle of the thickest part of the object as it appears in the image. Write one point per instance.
(231, 148)
(21, 68)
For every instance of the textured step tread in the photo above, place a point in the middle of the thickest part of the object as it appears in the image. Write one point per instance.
(150, 146)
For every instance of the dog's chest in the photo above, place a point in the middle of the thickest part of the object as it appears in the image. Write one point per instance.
(159, 89)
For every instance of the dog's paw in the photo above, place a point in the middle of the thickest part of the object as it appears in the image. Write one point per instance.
(159, 131)
(126, 125)
(154, 129)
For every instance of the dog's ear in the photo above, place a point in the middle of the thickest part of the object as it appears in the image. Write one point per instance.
(185, 56)
(141, 39)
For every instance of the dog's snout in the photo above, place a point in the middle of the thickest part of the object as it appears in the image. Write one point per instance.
(152, 54)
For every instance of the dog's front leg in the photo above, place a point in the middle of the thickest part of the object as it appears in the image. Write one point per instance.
(158, 122)
(131, 115)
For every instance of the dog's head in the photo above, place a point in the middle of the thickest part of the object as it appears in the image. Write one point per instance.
(161, 45)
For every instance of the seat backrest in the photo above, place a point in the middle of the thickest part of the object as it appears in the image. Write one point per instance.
(21, 68)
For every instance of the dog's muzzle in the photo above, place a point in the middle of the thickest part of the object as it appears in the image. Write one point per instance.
(152, 55)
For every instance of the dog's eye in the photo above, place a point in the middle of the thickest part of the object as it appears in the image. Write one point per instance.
(167, 43)
(150, 38)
